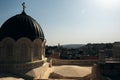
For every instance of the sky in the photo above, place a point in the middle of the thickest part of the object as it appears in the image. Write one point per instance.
(70, 21)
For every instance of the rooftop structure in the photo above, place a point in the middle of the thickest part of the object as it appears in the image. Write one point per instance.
(22, 44)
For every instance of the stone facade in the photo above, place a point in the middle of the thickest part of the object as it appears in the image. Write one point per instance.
(21, 54)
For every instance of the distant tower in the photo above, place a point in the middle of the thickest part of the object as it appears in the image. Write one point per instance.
(101, 57)
(116, 50)
(58, 45)
(59, 49)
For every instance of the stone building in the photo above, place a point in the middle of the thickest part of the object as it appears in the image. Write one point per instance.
(22, 44)
(116, 50)
(101, 58)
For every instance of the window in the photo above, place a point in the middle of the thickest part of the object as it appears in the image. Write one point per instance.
(9, 50)
(0, 51)
(36, 51)
(24, 49)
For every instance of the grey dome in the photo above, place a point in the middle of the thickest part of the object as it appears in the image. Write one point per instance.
(21, 25)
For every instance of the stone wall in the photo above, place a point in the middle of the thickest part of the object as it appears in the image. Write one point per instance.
(20, 67)
(73, 62)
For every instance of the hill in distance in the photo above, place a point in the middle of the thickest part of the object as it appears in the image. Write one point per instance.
(72, 45)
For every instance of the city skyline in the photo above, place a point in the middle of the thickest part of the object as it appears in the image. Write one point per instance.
(70, 21)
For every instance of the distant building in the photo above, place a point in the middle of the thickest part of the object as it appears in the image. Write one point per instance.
(116, 50)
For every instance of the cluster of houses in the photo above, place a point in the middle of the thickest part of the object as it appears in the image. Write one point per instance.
(89, 51)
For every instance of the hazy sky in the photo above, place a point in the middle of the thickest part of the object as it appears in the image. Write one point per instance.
(70, 21)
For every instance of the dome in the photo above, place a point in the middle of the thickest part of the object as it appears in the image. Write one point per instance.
(21, 25)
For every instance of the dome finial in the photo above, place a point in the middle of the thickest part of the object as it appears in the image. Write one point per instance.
(23, 4)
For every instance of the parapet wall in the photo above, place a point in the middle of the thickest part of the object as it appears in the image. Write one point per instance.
(73, 62)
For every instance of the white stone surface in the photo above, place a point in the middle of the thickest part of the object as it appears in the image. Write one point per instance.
(40, 72)
(72, 70)
(64, 70)
(11, 78)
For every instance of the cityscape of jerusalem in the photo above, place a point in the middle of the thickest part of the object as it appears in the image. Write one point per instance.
(60, 40)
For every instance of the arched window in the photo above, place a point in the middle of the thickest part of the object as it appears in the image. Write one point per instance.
(9, 50)
(0, 51)
(37, 54)
(36, 51)
(24, 49)
(7, 46)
